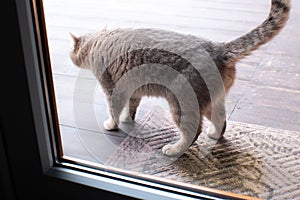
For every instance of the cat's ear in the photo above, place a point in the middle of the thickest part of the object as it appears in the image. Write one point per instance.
(74, 38)
(104, 29)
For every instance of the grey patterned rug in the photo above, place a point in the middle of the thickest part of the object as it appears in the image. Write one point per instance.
(251, 160)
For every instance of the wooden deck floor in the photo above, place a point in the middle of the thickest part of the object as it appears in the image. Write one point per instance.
(267, 89)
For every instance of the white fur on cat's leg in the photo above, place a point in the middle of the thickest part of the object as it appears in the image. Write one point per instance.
(110, 124)
(125, 115)
(212, 133)
(216, 132)
(218, 120)
(171, 150)
(175, 149)
(179, 147)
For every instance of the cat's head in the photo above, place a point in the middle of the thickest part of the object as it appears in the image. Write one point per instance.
(78, 51)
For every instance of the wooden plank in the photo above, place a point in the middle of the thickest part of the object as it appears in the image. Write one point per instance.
(190, 16)
(87, 145)
(273, 107)
(281, 71)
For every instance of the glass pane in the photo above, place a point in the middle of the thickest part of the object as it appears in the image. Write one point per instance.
(259, 153)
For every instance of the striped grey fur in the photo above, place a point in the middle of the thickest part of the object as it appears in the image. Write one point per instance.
(269, 28)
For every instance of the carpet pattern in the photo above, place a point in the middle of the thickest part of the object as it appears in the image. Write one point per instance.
(251, 160)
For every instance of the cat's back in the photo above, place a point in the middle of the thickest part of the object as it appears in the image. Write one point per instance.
(143, 38)
(125, 49)
(110, 45)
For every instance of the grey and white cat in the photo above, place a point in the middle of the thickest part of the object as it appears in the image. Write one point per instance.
(123, 59)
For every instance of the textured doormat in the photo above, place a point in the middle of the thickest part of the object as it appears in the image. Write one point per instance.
(251, 160)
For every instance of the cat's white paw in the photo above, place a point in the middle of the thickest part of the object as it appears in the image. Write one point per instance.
(110, 124)
(171, 150)
(212, 133)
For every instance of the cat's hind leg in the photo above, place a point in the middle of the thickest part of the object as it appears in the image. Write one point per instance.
(189, 130)
(217, 115)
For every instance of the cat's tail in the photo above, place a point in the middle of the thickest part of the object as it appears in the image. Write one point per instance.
(268, 29)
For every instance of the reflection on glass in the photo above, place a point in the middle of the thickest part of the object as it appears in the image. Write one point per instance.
(238, 163)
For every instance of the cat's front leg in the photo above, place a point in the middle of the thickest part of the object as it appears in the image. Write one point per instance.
(129, 111)
(110, 124)
(114, 111)
(125, 116)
